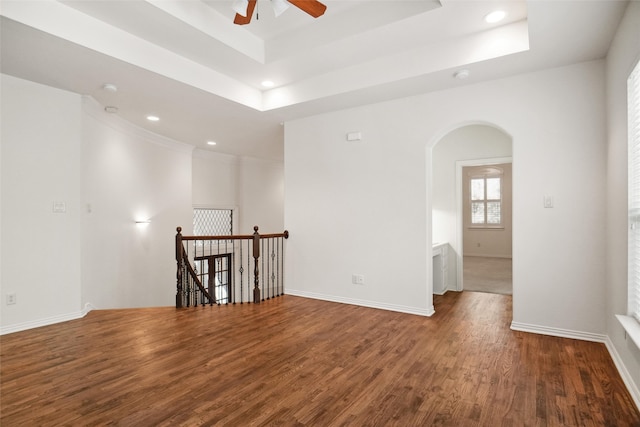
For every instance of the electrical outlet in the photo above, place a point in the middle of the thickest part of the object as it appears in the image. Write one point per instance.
(357, 279)
(11, 299)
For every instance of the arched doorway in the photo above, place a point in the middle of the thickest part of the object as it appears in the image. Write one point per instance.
(470, 152)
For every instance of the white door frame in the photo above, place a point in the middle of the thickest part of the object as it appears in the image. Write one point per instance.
(459, 214)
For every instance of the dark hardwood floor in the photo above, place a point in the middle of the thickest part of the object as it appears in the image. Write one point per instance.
(299, 362)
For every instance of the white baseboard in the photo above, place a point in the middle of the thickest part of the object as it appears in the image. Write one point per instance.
(364, 303)
(557, 332)
(46, 321)
(624, 373)
(87, 308)
(587, 336)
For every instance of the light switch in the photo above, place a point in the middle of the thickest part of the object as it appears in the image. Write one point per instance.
(354, 136)
(548, 201)
(59, 207)
(357, 279)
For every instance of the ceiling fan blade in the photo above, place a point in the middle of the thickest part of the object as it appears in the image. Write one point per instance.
(312, 7)
(242, 20)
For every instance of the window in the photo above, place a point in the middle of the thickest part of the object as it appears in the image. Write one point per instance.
(486, 198)
(212, 222)
(213, 264)
(633, 87)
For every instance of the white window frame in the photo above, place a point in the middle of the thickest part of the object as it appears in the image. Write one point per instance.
(631, 322)
(489, 172)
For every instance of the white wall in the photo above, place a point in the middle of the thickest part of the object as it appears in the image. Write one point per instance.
(41, 140)
(253, 187)
(128, 175)
(357, 208)
(623, 54)
(214, 181)
(261, 195)
(364, 208)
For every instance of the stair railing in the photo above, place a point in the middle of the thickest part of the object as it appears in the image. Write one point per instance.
(217, 269)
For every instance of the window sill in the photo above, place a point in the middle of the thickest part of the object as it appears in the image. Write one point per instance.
(632, 326)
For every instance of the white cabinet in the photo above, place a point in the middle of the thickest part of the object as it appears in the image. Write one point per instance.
(440, 256)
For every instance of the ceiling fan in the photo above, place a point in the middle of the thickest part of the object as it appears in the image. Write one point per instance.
(244, 8)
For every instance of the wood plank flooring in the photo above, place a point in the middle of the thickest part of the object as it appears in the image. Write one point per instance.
(299, 362)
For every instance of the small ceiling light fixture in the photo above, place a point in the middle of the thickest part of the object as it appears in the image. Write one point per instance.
(111, 109)
(267, 83)
(279, 6)
(153, 118)
(462, 74)
(211, 143)
(495, 16)
(244, 8)
(110, 87)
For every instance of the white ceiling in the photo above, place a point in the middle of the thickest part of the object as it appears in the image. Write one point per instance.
(186, 62)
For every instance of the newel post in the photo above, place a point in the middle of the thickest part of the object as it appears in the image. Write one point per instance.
(179, 255)
(256, 272)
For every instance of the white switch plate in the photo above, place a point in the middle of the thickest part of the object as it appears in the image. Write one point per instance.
(354, 136)
(548, 201)
(59, 207)
(357, 279)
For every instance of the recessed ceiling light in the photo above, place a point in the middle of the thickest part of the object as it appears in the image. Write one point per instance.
(495, 16)
(267, 83)
(153, 118)
(211, 143)
(462, 74)
(110, 87)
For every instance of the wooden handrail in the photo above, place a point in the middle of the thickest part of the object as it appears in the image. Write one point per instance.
(285, 234)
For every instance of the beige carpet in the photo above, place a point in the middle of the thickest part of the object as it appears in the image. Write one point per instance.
(483, 274)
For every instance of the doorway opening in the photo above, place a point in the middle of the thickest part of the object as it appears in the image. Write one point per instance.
(486, 227)
(473, 230)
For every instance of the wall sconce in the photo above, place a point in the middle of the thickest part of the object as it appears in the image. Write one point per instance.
(143, 222)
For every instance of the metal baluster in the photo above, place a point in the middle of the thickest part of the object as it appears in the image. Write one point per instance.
(264, 288)
(183, 284)
(195, 288)
(249, 243)
(281, 287)
(233, 282)
(273, 270)
(189, 279)
(256, 265)
(266, 272)
(226, 251)
(241, 273)
(277, 283)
